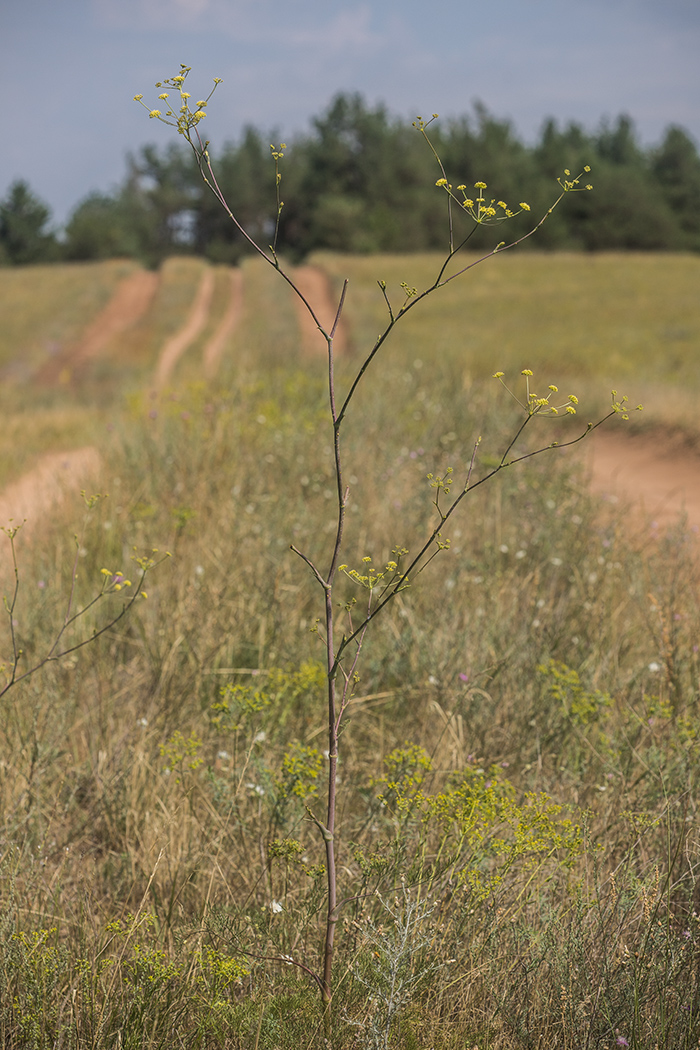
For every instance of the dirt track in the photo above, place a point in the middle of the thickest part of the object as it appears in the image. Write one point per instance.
(196, 320)
(211, 356)
(314, 286)
(57, 476)
(661, 478)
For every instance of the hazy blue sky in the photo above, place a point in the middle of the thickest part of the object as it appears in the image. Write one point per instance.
(70, 68)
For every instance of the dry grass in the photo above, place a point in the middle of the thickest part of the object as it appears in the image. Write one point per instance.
(45, 308)
(150, 821)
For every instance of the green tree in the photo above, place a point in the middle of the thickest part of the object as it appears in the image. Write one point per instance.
(24, 237)
(359, 164)
(103, 227)
(675, 166)
(159, 199)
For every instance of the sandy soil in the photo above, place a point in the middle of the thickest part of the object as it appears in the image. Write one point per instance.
(176, 346)
(314, 286)
(29, 500)
(211, 356)
(659, 476)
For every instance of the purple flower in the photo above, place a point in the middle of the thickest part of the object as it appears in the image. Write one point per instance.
(621, 1041)
(464, 678)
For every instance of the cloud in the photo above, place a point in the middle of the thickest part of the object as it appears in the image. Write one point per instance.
(348, 29)
(148, 15)
(304, 24)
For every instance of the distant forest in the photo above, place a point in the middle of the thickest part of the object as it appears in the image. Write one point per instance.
(364, 181)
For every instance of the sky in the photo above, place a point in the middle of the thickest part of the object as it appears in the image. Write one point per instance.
(69, 70)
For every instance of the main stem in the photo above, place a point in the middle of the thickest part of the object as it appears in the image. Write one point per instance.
(329, 831)
(332, 668)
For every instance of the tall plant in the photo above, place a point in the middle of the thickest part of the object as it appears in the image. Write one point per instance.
(380, 586)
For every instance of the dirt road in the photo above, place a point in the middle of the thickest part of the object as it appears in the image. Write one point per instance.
(658, 475)
(315, 287)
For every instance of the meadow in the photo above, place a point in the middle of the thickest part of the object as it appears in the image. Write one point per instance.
(518, 817)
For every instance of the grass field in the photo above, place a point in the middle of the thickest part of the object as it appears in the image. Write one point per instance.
(518, 827)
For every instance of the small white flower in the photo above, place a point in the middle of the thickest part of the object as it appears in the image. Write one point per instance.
(276, 907)
(256, 789)
(503, 548)
(654, 667)
(260, 737)
(142, 722)
(556, 561)
(223, 756)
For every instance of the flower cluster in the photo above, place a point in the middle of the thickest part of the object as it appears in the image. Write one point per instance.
(370, 577)
(483, 211)
(621, 406)
(569, 185)
(536, 405)
(113, 581)
(182, 117)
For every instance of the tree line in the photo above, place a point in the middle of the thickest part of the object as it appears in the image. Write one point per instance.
(364, 181)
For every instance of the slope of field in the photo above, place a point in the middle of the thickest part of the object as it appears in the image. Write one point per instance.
(46, 310)
(594, 321)
(76, 337)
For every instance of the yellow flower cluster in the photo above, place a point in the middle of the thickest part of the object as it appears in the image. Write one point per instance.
(536, 405)
(184, 118)
(483, 211)
(371, 576)
(569, 185)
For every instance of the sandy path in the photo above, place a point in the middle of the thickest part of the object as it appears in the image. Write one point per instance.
(211, 355)
(56, 476)
(130, 301)
(315, 287)
(176, 346)
(659, 476)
